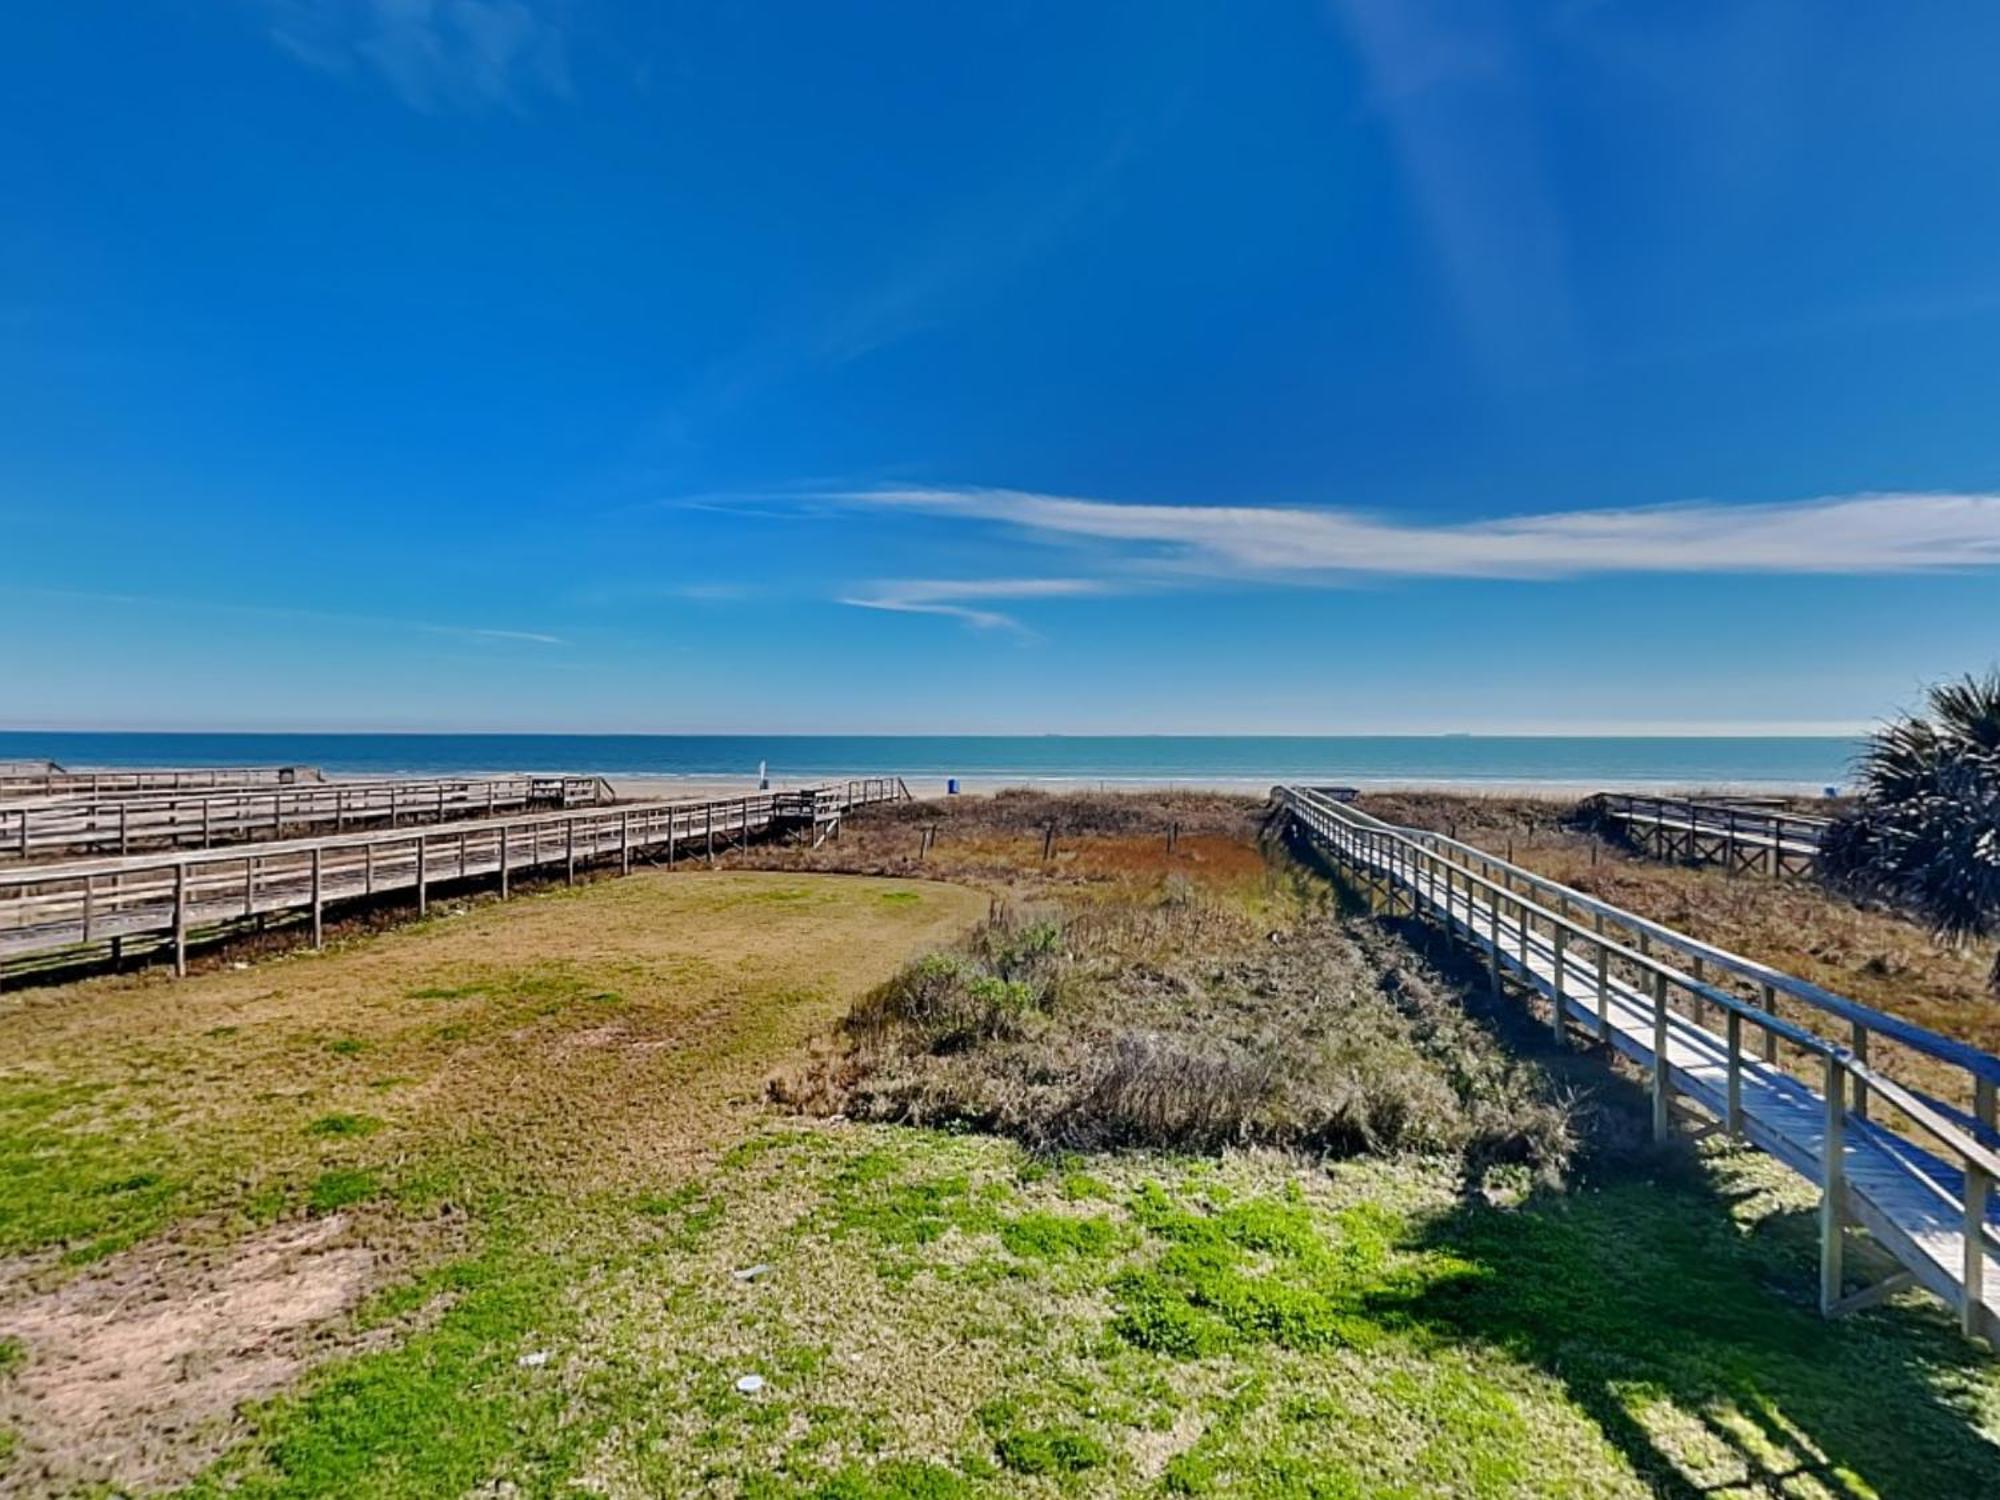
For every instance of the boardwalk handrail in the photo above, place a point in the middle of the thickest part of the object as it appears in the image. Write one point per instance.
(1696, 829)
(1906, 1033)
(1918, 1106)
(239, 814)
(1652, 805)
(74, 908)
(1899, 1183)
(110, 781)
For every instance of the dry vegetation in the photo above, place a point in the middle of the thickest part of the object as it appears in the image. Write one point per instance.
(1170, 1019)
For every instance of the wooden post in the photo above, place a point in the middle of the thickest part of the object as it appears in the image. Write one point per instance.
(625, 843)
(1770, 1036)
(1978, 1188)
(1662, 1078)
(124, 844)
(367, 869)
(423, 879)
(503, 862)
(1556, 986)
(569, 851)
(1493, 946)
(1049, 842)
(1603, 992)
(711, 834)
(1732, 1030)
(318, 904)
(1833, 1188)
(180, 920)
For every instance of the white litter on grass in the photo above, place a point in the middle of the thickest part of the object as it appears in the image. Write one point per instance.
(534, 1361)
(750, 1385)
(751, 1273)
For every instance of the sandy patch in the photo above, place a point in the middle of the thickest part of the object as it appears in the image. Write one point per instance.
(131, 1373)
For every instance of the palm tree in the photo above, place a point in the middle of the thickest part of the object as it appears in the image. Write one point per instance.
(1927, 832)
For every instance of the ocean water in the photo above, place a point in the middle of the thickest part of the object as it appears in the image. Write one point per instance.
(1251, 761)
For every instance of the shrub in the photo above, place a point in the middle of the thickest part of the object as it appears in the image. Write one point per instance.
(1926, 835)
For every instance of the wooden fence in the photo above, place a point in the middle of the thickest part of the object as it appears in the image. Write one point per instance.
(201, 820)
(1698, 831)
(51, 780)
(54, 915)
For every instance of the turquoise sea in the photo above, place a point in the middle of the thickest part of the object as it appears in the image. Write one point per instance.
(985, 760)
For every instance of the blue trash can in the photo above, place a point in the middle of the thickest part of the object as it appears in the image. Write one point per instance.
(951, 786)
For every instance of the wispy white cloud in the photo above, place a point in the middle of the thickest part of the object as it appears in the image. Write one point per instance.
(1850, 534)
(285, 612)
(954, 598)
(436, 54)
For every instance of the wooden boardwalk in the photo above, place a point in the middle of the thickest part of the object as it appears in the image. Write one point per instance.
(47, 779)
(1705, 1026)
(56, 915)
(1741, 839)
(72, 825)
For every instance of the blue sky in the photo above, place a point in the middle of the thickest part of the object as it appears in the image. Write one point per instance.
(1337, 367)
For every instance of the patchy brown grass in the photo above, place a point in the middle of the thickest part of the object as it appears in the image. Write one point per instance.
(995, 843)
(198, 1180)
(1877, 957)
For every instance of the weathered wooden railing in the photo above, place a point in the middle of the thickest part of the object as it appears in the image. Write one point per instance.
(1698, 830)
(57, 914)
(1924, 1191)
(124, 825)
(51, 780)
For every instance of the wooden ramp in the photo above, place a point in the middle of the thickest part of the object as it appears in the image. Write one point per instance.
(53, 915)
(1696, 831)
(1923, 1191)
(72, 825)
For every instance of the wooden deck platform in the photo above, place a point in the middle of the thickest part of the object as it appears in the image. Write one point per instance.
(55, 915)
(72, 825)
(1923, 1191)
(1696, 831)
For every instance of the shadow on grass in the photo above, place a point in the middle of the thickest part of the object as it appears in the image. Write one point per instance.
(1643, 1289)
(1649, 1292)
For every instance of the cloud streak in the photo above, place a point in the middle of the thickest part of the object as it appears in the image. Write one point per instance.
(951, 597)
(1873, 533)
(285, 612)
(437, 55)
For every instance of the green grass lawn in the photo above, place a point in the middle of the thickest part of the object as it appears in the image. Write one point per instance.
(934, 1315)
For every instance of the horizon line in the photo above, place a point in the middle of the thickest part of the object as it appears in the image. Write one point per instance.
(1639, 731)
